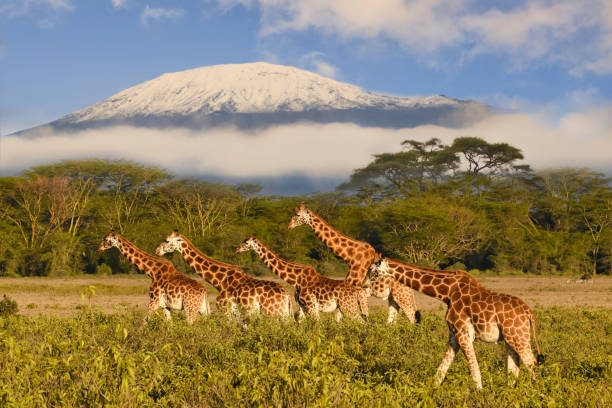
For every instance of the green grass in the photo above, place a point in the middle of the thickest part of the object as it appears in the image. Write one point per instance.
(98, 359)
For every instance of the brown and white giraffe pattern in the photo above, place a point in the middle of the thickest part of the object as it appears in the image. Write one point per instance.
(314, 292)
(169, 290)
(234, 285)
(473, 312)
(359, 256)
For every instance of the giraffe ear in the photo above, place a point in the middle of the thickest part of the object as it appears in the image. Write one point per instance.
(302, 206)
(176, 231)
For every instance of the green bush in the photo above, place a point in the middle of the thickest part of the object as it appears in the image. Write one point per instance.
(96, 359)
(8, 306)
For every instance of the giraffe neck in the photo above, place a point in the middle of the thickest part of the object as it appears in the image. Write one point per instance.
(430, 282)
(137, 257)
(207, 267)
(336, 241)
(331, 236)
(277, 264)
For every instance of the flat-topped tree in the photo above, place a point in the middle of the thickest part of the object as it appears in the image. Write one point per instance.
(314, 292)
(359, 256)
(169, 288)
(234, 285)
(473, 312)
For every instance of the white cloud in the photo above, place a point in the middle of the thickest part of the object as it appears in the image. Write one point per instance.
(314, 61)
(22, 8)
(576, 33)
(580, 139)
(119, 3)
(150, 13)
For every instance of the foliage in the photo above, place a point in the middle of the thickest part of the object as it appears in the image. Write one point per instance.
(417, 205)
(7, 306)
(115, 360)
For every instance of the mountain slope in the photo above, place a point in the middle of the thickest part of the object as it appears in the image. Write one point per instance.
(260, 94)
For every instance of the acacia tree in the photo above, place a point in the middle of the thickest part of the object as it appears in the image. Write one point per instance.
(481, 155)
(407, 172)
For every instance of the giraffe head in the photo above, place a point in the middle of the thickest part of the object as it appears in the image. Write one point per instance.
(109, 241)
(302, 216)
(248, 244)
(378, 270)
(172, 243)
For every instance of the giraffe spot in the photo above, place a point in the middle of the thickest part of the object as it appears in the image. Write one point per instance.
(199, 259)
(188, 259)
(214, 268)
(426, 279)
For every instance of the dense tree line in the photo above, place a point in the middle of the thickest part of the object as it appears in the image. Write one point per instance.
(467, 205)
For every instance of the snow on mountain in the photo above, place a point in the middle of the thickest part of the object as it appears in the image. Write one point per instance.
(262, 94)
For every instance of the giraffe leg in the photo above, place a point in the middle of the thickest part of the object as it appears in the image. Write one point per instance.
(338, 315)
(403, 297)
(520, 342)
(451, 351)
(191, 315)
(167, 314)
(348, 304)
(154, 304)
(309, 300)
(513, 361)
(393, 307)
(465, 338)
(363, 301)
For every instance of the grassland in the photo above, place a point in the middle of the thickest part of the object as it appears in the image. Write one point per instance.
(63, 296)
(98, 352)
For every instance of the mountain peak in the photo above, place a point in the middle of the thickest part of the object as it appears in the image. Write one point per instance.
(260, 94)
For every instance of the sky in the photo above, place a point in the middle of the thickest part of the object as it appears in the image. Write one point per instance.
(546, 64)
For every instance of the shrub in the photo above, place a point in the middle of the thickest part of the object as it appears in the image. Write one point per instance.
(7, 306)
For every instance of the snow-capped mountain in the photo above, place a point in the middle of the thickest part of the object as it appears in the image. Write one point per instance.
(261, 94)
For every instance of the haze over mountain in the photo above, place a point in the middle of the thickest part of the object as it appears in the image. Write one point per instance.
(259, 95)
(290, 130)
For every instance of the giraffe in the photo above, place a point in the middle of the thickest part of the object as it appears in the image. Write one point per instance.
(359, 256)
(169, 289)
(314, 292)
(234, 286)
(473, 312)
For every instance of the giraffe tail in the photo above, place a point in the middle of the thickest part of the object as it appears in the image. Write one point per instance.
(417, 316)
(540, 358)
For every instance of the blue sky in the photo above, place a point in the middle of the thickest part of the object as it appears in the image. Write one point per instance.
(62, 55)
(548, 62)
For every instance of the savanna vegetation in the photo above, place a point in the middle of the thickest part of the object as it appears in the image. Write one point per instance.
(100, 359)
(466, 206)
